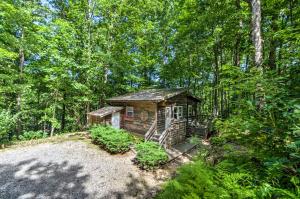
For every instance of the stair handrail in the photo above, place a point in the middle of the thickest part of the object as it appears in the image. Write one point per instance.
(151, 131)
(165, 133)
(163, 136)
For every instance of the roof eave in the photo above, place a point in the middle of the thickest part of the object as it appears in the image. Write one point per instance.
(94, 113)
(135, 100)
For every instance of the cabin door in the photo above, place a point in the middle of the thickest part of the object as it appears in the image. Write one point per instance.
(115, 120)
(168, 116)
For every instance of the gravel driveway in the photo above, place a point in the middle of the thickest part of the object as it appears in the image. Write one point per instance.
(71, 169)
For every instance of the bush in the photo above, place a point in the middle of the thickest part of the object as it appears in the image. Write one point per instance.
(150, 155)
(198, 180)
(111, 139)
(6, 123)
(225, 180)
(33, 135)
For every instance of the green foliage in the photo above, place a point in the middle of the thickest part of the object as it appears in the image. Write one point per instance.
(111, 139)
(33, 135)
(61, 59)
(197, 180)
(6, 124)
(225, 180)
(150, 155)
(264, 140)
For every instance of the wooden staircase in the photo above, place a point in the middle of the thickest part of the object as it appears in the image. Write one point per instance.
(154, 136)
(174, 130)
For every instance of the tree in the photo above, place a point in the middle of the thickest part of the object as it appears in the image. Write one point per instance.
(256, 31)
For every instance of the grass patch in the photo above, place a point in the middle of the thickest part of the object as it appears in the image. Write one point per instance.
(150, 155)
(111, 139)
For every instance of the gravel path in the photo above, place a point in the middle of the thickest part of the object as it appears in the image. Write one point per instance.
(71, 169)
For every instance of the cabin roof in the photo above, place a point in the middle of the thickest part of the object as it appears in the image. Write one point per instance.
(154, 95)
(106, 111)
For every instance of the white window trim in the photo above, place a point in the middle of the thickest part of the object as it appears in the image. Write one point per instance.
(129, 109)
(179, 114)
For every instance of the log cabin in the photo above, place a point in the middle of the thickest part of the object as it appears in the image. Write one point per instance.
(166, 116)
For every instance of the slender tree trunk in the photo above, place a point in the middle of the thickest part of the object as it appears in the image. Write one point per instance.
(273, 44)
(63, 114)
(53, 115)
(222, 102)
(104, 82)
(19, 96)
(45, 122)
(87, 111)
(238, 37)
(256, 32)
(216, 82)
(228, 103)
(53, 118)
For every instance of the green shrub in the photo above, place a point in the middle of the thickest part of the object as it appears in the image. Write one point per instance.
(225, 180)
(198, 180)
(33, 135)
(6, 123)
(150, 155)
(111, 139)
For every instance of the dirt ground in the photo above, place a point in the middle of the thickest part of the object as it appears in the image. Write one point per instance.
(72, 169)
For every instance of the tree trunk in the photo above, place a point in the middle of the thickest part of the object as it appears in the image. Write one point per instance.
(53, 115)
(19, 96)
(222, 102)
(216, 82)
(87, 111)
(257, 41)
(238, 38)
(256, 32)
(273, 44)
(52, 126)
(63, 114)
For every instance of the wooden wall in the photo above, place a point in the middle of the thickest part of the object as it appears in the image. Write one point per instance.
(161, 120)
(92, 119)
(179, 100)
(144, 116)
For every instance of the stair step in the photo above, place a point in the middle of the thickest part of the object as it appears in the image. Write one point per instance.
(155, 139)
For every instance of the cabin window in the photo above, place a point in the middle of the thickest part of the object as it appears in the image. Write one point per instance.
(191, 111)
(178, 112)
(129, 111)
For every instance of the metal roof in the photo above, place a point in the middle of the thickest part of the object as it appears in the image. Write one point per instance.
(106, 111)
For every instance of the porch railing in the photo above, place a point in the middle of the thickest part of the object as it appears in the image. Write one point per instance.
(164, 135)
(151, 131)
